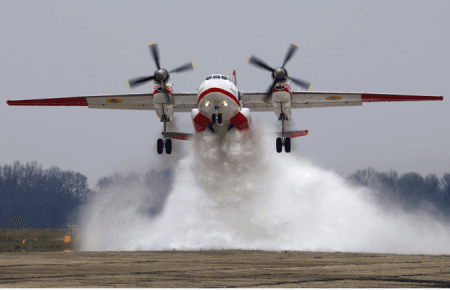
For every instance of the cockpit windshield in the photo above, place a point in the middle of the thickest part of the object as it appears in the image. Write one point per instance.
(218, 77)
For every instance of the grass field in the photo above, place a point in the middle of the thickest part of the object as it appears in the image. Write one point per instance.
(36, 240)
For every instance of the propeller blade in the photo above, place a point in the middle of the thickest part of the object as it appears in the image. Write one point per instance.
(291, 51)
(184, 67)
(132, 83)
(302, 83)
(268, 98)
(259, 63)
(155, 53)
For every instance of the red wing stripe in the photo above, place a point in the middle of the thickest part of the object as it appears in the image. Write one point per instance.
(76, 101)
(397, 98)
(217, 90)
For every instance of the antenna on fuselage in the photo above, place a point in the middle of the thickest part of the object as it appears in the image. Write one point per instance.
(234, 78)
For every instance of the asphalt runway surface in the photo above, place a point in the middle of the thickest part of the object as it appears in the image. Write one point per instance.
(221, 268)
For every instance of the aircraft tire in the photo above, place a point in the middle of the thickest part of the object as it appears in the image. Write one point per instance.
(287, 144)
(160, 146)
(168, 146)
(219, 119)
(279, 145)
(213, 119)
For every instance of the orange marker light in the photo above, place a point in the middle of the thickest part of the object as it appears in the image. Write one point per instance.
(66, 239)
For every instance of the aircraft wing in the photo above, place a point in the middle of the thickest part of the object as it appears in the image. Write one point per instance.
(308, 99)
(183, 102)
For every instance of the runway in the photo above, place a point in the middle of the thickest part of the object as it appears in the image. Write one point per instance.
(222, 268)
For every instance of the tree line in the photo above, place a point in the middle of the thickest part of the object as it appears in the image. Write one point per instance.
(410, 191)
(31, 196)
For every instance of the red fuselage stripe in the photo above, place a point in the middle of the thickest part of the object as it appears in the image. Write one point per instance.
(397, 98)
(77, 101)
(218, 90)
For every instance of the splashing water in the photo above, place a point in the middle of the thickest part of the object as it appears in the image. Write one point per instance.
(233, 193)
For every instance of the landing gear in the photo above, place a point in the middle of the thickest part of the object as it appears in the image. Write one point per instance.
(283, 140)
(287, 144)
(279, 145)
(216, 116)
(164, 143)
(160, 146)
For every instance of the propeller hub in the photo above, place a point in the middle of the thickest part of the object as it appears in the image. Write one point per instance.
(279, 73)
(161, 75)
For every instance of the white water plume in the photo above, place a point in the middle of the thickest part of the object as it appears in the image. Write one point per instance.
(237, 194)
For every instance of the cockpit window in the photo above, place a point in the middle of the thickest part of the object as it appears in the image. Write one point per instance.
(216, 77)
(208, 78)
(224, 77)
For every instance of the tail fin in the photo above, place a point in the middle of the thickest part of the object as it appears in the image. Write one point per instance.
(234, 77)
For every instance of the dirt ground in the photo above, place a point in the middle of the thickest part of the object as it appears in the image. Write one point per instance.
(221, 268)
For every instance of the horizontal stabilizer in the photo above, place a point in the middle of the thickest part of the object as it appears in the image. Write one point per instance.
(179, 136)
(293, 134)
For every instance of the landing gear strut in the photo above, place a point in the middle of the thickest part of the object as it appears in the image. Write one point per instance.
(283, 141)
(164, 143)
(216, 116)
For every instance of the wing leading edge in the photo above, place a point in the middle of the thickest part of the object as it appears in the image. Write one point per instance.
(310, 99)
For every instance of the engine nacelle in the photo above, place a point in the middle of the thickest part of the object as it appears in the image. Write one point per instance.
(281, 96)
(159, 101)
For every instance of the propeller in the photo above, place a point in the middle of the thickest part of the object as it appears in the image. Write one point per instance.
(280, 73)
(161, 75)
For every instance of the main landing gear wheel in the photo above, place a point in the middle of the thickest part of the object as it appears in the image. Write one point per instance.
(168, 146)
(279, 145)
(287, 144)
(160, 146)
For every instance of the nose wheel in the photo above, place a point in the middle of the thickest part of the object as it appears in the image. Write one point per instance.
(164, 143)
(216, 117)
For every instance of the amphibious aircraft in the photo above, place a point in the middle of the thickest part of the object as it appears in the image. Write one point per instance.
(219, 106)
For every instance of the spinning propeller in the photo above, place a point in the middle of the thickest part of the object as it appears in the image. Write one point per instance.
(161, 75)
(280, 73)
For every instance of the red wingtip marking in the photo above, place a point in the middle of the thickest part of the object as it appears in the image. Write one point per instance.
(75, 101)
(397, 98)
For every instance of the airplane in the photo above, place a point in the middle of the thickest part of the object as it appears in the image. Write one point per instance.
(219, 106)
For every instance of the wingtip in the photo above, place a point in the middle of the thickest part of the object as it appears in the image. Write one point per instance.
(7, 102)
(150, 44)
(295, 44)
(128, 84)
(309, 87)
(193, 66)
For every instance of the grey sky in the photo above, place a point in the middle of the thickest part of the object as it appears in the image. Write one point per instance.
(73, 48)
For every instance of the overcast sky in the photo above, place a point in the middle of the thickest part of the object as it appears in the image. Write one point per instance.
(74, 48)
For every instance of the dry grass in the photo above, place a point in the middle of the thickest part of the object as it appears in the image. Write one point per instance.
(36, 240)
